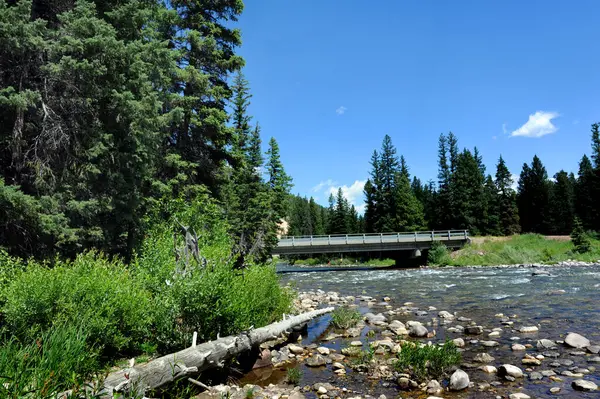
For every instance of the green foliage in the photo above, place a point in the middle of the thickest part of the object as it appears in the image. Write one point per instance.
(427, 361)
(363, 357)
(294, 375)
(580, 239)
(522, 249)
(92, 291)
(438, 255)
(60, 359)
(211, 297)
(345, 317)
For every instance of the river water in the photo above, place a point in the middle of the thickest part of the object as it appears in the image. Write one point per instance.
(566, 301)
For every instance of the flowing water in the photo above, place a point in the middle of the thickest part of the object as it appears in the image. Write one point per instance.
(566, 301)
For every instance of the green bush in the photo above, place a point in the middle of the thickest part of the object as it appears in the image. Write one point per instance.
(294, 375)
(438, 255)
(581, 241)
(58, 360)
(428, 361)
(209, 298)
(91, 291)
(345, 317)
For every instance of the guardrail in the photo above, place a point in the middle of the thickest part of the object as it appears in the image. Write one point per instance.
(373, 238)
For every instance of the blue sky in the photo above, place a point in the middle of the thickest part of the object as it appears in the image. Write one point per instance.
(330, 78)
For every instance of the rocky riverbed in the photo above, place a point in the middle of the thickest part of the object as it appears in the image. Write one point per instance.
(522, 332)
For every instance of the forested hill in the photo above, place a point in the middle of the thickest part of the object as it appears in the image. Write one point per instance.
(110, 109)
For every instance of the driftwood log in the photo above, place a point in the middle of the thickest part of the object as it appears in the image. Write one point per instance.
(193, 360)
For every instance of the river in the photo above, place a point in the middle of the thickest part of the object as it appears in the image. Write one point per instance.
(568, 300)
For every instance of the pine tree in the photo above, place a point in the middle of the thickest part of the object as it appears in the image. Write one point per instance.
(533, 198)
(370, 217)
(585, 203)
(561, 210)
(279, 185)
(493, 201)
(389, 166)
(409, 211)
(507, 210)
(445, 216)
(339, 224)
(468, 194)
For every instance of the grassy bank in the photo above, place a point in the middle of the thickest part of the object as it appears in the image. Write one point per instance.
(65, 322)
(518, 249)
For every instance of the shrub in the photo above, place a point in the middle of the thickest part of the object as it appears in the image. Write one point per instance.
(210, 297)
(294, 375)
(57, 361)
(345, 317)
(428, 361)
(581, 241)
(438, 255)
(92, 291)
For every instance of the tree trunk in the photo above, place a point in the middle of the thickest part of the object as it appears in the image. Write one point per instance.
(194, 360)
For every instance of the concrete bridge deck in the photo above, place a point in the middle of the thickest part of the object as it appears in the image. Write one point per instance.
(420, 240)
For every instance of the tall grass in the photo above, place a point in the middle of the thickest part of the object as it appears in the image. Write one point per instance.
(428, 361)
(519, 249)
(60, 359)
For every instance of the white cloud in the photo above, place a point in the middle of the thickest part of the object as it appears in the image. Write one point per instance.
(353, 193)
(327, 183)
(538, 125)
(504, 129)
(341, 110)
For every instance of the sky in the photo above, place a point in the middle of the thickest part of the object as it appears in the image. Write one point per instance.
(330, 78)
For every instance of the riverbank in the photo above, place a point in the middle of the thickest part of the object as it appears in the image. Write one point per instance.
(511, 346)
(518, 249)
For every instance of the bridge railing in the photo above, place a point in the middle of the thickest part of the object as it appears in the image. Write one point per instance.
(370, 238)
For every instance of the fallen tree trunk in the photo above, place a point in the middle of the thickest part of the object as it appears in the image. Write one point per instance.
(166, 369)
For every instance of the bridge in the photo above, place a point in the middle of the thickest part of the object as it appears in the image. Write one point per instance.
(416, 242)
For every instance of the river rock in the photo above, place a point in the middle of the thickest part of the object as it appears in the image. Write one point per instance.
(543, 344)
(420, 313)
(488, 369)
(459, 380)
(417, 330)
(528, 329)
(356, 343)
(535, 376)
(396, 324)
(434, 387)
(445, 315)
(352, 332)
(323, 350)
(541, 273)
(510, 371)
(338, 366)
(296, 349)
(584, 385)
(374, 318)
(518, 347)
(530, 361)
(519, 395)
(595, 359)
(555, 390)
(575, 340)
(489, 344)
(459, 342)
(483, 358)
(473, 330)
(316, 361)
(595, 349)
